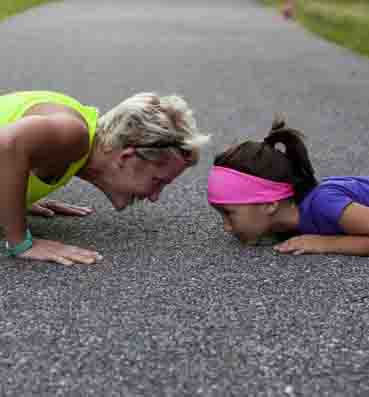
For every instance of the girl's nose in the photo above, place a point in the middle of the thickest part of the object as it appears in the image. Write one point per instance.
(227, 226)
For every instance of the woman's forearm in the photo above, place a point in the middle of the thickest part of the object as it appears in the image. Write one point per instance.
(14, 171)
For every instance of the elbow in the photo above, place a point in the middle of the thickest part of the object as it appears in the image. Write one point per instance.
(7, 141)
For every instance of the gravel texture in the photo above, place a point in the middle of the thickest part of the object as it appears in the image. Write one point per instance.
(177, 307)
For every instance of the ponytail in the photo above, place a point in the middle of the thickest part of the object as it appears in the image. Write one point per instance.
(296, 152)
(265, 160)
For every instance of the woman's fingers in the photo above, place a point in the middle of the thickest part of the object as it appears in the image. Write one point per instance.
(49, 208)
(76, 259)
(37, 209)
(61, 260)
(47, 250)
(78, 255)
(67, 209)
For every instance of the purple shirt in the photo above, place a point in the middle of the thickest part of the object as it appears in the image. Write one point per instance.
(322, 208)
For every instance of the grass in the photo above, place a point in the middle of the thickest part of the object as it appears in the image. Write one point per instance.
(11, 7)
(345, 22)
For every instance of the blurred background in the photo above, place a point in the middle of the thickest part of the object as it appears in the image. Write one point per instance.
(10, 7)
(345, 22)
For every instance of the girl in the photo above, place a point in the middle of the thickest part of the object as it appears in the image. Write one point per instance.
(259, 189)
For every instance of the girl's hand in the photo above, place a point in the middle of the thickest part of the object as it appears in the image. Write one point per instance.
(50, 208)
(305, 244)
(54, 251)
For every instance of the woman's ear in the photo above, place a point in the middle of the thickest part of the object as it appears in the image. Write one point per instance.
(124, 155)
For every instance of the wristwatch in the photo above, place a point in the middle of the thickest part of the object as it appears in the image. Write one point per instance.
(21, 247)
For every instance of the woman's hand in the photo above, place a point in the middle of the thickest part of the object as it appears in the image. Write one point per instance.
(49, 208)
(54, 251)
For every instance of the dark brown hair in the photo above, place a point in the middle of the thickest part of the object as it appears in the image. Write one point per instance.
(264, 160)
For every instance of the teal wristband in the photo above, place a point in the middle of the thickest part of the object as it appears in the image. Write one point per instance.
(23, 246)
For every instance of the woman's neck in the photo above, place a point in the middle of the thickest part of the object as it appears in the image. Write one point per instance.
(91, 171)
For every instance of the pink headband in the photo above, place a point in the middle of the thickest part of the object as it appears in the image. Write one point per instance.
(228, 186)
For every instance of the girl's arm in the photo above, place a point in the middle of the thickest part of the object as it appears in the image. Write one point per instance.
(355, 223)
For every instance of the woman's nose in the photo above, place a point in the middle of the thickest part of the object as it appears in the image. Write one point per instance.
(154, 196)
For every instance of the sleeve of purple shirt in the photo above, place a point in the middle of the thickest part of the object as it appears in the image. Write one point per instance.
(327, 207)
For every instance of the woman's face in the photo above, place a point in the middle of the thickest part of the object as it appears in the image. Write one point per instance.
(248, 222)
(131, 178)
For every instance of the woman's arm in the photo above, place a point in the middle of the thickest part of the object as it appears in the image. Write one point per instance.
(33, 142)
(354, 222)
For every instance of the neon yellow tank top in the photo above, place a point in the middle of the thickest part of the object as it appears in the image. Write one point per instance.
(13, 106)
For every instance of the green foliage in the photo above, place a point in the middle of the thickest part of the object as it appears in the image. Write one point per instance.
(345, 22)
(10, 7)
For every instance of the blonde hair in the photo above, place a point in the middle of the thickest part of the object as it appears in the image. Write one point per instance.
(154, 125)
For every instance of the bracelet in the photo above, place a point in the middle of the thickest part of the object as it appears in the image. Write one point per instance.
(21, 247)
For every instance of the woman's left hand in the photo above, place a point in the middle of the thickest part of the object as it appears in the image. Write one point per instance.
(49, 208)
(304, 244)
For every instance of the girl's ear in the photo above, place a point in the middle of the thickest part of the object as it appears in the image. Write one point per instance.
(271, 208)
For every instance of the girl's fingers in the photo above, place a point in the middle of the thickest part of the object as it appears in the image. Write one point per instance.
(280, 247)
(284, 248)
(289, 248)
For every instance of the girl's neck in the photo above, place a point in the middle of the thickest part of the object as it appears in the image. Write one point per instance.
(287, 218)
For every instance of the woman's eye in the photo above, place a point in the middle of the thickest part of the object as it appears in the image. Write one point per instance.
(156, 181)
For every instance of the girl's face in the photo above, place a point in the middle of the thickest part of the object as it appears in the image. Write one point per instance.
(248, 222)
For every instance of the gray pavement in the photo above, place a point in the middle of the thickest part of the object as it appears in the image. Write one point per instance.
(178, 308)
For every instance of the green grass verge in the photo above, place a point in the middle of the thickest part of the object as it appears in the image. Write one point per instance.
(10, 7)
(345, 22)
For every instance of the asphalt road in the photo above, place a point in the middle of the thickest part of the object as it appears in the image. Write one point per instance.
(178, 308)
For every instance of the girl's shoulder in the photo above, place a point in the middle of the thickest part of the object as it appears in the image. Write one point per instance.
(356, 188)
(344, 181)
(323, 206)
